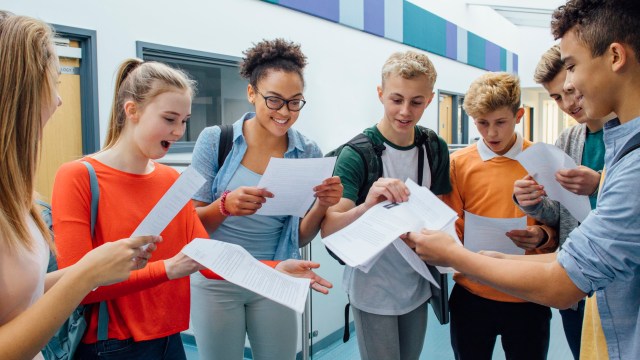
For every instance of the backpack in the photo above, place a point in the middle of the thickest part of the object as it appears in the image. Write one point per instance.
(64, 343)
(371, 154)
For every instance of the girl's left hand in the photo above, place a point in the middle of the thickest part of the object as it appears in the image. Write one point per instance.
(329, 192)
(303, 269)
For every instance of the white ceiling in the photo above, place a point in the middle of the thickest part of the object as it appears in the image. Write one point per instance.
(536, 13)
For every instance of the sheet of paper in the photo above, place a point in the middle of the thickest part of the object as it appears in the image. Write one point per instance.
(291, 181)
(435, 214)
(237, 266)
(363, 239)
(542, 161)
(483, 233)
(414, 261)
(178, 195)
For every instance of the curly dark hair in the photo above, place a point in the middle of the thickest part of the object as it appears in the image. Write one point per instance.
(277, 54)
(599, 23)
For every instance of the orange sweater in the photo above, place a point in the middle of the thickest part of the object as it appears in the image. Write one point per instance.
(485, 188)
(147, 305)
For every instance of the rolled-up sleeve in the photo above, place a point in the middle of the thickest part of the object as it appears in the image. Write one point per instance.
(606, 246)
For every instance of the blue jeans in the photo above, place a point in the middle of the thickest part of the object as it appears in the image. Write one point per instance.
(166, 348)
(572, 324)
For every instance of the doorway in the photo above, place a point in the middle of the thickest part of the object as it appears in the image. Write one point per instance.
(73, 129)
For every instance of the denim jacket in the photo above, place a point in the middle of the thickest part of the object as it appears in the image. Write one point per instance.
(603, 253)
(205, 160)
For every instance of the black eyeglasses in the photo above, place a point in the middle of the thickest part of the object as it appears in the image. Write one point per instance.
(276, 102)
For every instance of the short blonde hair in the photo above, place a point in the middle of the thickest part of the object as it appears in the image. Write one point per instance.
(491, 92)
(409, 65)
(549, 66)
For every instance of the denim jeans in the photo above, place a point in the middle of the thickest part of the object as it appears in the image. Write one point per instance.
(572, 324)
(166, 348)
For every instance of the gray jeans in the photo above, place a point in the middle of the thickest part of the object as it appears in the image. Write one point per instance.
(222, 314)
(391, 337)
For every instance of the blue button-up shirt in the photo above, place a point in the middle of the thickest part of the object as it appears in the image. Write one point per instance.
(205, 160)
(603, 254)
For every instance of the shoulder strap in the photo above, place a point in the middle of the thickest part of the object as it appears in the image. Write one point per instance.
(370, 153)
(103, 313)
(225, 144)
(631, 145)
(95, 196)
(425, 137)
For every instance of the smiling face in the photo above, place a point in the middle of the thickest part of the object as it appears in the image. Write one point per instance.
(588, 75)
(567, 97)
(281, 84)
(498, 128)
(160, 123)
(404, 102)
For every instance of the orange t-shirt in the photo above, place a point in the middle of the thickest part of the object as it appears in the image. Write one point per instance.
(485, 188)
(147, 305)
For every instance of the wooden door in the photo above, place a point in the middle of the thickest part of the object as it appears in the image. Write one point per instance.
(527, 123)
(445, 117)
(62, 139)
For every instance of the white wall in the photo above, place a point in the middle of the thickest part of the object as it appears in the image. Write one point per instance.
(344, 64)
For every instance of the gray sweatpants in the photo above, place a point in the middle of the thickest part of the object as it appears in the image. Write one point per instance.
(223, 313)
(391, 337)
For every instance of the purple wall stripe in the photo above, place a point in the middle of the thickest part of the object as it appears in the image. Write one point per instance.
(374, 17)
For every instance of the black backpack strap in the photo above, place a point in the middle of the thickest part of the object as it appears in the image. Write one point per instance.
(370, 153)
(225, 143)
(631, 145)
(426, 137)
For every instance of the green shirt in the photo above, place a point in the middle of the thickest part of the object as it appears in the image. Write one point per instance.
(593, 157)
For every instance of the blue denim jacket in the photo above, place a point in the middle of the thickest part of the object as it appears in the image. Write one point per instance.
(603, 254)
(205, 160)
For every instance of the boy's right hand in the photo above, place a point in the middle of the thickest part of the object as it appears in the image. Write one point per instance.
(528, 192)
(112, 262)
(180, 265)
(246, 200)
(383, 189)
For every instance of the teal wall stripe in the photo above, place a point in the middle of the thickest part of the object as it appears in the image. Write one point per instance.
(407, 23)
(476, 50)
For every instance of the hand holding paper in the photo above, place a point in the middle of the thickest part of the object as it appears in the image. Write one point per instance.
(542, 161)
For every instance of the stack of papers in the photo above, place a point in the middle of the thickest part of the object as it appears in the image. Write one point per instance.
(361, 243)
(484, 233)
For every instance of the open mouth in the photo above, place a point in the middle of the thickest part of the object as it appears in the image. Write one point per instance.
(165, 144)
(405, 122)
(576, 110)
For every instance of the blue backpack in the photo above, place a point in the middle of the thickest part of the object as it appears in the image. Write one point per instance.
(64, 343)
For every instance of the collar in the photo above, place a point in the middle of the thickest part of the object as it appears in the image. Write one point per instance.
(487, 154)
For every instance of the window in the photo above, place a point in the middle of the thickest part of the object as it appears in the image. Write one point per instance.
(221, 96)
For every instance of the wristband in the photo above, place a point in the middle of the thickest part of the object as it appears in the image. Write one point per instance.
(223, 199)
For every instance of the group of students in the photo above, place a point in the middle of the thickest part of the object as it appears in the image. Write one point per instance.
(592, 75)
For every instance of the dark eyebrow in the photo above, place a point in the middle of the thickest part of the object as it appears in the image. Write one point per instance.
(280, 95)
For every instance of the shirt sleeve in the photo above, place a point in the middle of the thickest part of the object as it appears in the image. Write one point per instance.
(71, 210)
(606, 246)
(205, 157)
(441, 181)
(350, 169)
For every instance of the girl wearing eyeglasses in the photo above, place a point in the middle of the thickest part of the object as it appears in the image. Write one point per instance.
(223, 313)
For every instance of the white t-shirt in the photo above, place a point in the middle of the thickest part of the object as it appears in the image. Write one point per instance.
(391, 287)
